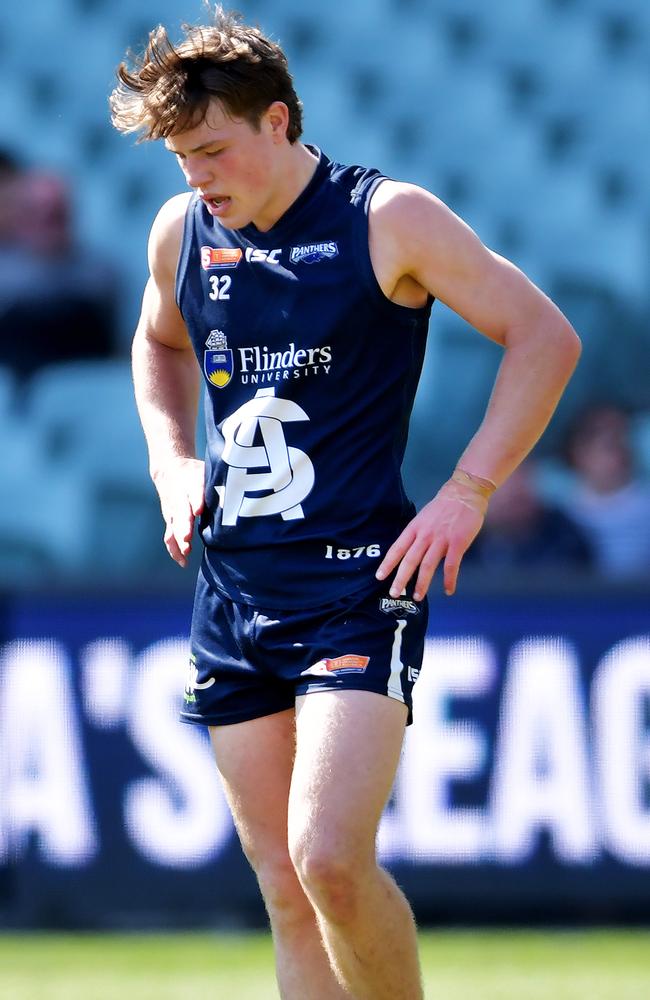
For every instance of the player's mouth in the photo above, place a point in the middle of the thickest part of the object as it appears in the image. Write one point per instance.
(218, 205)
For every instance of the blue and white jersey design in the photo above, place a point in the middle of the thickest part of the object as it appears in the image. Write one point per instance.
(310, 375)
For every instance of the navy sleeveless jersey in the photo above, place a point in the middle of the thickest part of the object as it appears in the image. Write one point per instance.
(310, 375)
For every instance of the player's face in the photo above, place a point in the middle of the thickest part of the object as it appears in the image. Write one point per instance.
(232, 166)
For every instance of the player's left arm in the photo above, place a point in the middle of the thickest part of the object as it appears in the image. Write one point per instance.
(432, 247)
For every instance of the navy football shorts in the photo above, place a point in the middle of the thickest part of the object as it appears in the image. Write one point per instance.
(247, 662)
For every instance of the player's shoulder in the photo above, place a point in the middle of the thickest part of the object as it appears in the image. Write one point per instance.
(399, 204)
(169, 221)
(167, 232)
(416, 223)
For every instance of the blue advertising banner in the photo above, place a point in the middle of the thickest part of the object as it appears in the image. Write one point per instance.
(523, 792)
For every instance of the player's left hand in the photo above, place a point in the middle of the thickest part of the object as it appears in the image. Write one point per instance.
(444, 529)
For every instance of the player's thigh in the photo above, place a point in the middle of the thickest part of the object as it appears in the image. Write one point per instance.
(348, 746)
(255, 761)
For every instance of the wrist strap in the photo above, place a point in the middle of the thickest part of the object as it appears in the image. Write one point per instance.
(484, 487)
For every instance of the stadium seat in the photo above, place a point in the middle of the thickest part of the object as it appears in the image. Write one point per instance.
(444, 417)
(637, 9)
(641, 442)
(86, 417)
(44, 509)
(86, 412)
(7, 391)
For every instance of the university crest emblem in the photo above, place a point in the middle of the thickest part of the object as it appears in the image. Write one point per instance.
(218, 362)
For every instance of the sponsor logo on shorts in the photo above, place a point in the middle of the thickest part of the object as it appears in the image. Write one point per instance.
(412, 674)
(312, 253)
(218, 363)
(349, 663)
(220, 257)
(192, 683)
(398, 605)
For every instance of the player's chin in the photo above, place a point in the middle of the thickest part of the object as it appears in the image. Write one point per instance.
(234, 220)
(236, 216)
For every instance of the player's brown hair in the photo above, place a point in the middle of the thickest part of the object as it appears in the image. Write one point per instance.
(168, 88)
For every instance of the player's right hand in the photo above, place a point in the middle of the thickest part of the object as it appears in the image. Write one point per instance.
(180, 486)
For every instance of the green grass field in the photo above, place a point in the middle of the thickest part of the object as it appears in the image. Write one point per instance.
(499, 965)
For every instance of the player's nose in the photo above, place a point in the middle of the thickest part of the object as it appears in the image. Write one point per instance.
(197, 174)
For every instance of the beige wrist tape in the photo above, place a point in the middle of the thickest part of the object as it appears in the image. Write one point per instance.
(483, 487)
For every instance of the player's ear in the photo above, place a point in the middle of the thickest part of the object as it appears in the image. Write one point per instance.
(277, 119)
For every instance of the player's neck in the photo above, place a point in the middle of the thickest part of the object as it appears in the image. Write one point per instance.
(297, 169)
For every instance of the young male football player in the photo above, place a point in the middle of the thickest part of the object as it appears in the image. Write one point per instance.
(298, 291)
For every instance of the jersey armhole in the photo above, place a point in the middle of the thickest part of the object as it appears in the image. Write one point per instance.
(364, 259)
(184, 253)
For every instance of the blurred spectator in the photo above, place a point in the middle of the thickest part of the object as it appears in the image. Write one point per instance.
(10, 177)
(57, 300)
(521, 532)
(610, 501)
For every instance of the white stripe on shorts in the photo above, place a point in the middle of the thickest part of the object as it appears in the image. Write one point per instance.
(396, 666)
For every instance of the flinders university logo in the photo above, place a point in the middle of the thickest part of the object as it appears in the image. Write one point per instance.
(218, 363)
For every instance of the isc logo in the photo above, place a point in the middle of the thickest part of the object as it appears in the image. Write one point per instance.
(270, 256)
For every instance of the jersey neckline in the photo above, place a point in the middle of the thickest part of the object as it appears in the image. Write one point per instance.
(287, 219)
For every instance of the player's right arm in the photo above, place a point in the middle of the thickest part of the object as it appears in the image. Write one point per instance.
(167, 381)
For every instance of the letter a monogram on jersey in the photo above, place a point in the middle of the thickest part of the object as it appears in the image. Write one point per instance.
(290, 475)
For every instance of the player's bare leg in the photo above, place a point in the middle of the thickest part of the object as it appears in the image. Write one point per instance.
(348, 747)
(255, 760)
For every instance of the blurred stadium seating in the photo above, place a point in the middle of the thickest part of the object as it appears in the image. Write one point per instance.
(527, 116)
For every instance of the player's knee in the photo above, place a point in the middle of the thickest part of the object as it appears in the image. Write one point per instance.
(331, 878)
(283, 894)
